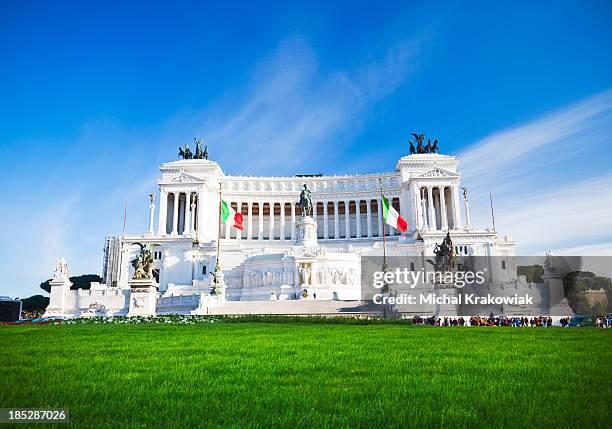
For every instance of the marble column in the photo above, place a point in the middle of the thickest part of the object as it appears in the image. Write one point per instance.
(292, 221)
(151, 213)
(228, 225)
(175, 213)
(336, 221)
(163, 213)
(358, 218)
(347, 219)
(271, 225)
(467, 210)
(444, 215)
(193, 212)
(260, 220)
(456, 207)
(325, 221)
(424, 209)
(239, 210)
(380, 218)
(250, 220)
(369, 217)
(187, 218)
(417, 207)
(282, 221)
(432, 214)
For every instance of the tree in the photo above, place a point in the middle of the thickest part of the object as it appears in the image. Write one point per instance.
(532, 272)
(35, 303)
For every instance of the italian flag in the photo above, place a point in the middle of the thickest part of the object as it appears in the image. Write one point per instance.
(392, 217)
(227, 212)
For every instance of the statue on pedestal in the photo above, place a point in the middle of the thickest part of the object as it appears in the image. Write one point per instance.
(305, 201)
(61, 270)
(143, 264)
(445, 255)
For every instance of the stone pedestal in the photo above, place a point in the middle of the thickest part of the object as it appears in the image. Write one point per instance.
(558, 305)
(306, 232)
(60, 287)
(143, 297)
(306, 237)
(446, 308)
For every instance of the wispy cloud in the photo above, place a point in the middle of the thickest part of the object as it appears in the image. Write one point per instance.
(294, 110)
(290, 115)
(551, 189)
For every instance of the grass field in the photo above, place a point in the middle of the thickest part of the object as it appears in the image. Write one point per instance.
(309, 375)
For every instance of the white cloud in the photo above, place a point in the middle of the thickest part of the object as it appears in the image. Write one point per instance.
(550, 181)
(290, 115)
(294, 111)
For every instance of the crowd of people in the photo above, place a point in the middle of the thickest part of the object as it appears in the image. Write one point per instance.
(539, 321)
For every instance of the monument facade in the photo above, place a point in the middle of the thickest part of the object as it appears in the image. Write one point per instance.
(302, 237)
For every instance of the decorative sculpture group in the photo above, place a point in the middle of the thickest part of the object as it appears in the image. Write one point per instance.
(445, 260)
(186, 153)
(420, 148)
(61, 270)
(143, 264)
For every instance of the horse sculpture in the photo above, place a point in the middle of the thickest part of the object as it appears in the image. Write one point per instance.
(185, 153)
(305, 201)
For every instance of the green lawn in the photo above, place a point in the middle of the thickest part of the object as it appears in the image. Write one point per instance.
(309, 375)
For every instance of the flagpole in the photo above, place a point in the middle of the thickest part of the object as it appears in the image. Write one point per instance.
(124, 217)
(217, 265)
(385, 267)
(492, 213)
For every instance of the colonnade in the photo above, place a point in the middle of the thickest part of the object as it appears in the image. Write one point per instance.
(336, 219)
(438, 207)
(178, 213)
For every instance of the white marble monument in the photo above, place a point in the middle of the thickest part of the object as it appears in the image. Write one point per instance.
(282, 254)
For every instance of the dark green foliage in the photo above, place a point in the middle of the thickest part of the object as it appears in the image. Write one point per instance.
(577, 283)
(267, 375)
(532, 272)
(35, 303)
(78, 282)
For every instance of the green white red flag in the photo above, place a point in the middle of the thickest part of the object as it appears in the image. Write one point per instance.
(227, 212)
(392, 217)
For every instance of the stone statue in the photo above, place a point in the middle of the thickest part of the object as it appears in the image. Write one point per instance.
(465, 193)
(435, 148)
(445, 255)
(185, 153)
(198, 150)
(305, 201)
(143, 264)
(420, 148)
(199, 153)
(61, 270)
(419, 137)
(412, 149)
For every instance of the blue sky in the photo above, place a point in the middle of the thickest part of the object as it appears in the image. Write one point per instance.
(94, 97)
